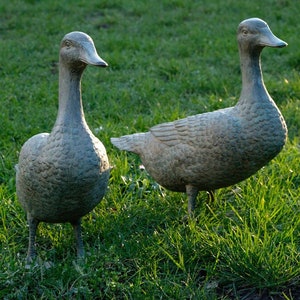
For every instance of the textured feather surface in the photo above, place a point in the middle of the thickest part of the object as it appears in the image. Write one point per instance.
(219, 148)
(63, 175)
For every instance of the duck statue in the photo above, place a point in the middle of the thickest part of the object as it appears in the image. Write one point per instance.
(217, 149)
(62, 175)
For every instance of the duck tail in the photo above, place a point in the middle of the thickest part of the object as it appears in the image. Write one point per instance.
(131, 142)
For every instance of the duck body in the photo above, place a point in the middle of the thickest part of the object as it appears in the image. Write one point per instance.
(56, 182)
(224, 134)
(212, 150)
(62, 175)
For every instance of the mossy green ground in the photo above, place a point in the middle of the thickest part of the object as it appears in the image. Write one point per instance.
(168, 59)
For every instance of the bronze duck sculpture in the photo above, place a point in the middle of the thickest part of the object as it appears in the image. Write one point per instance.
(61, 176)
(217, 149)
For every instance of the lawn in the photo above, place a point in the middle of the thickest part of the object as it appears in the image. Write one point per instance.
(168, 59)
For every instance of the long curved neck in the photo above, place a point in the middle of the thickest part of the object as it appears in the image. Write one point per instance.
(70, 110)
(253, 88)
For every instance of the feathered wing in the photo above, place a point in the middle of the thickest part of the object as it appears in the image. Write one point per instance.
(195, 131)
(190, 130)
(25, 169)
(167, 133)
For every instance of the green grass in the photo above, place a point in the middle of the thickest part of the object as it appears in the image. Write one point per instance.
(168, 59)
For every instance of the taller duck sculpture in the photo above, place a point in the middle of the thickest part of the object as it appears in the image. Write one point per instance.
(217, 149)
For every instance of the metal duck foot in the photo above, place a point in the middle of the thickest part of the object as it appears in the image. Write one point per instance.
(78, 236)
(192, 193)
(31, 253)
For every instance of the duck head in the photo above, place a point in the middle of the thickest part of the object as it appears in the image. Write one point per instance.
(254, 34)
(77, 50)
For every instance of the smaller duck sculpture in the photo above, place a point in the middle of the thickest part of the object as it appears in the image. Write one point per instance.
(61, 176)
(217, 149)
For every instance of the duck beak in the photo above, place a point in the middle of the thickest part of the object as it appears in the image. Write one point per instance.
(90, 56)
(270, 40)
(96, 60)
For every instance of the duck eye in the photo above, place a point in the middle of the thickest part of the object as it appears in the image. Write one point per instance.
(68, 44)
(245, 31)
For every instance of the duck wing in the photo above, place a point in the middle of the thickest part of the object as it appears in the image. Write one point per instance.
(27, 168)
(179, 131)
(195, 130)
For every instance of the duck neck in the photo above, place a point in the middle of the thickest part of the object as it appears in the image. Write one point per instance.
(70, 110)
(253, 88)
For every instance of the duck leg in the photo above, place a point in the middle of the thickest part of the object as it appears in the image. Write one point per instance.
(79, 243)
(33, 224)
(192, 193)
